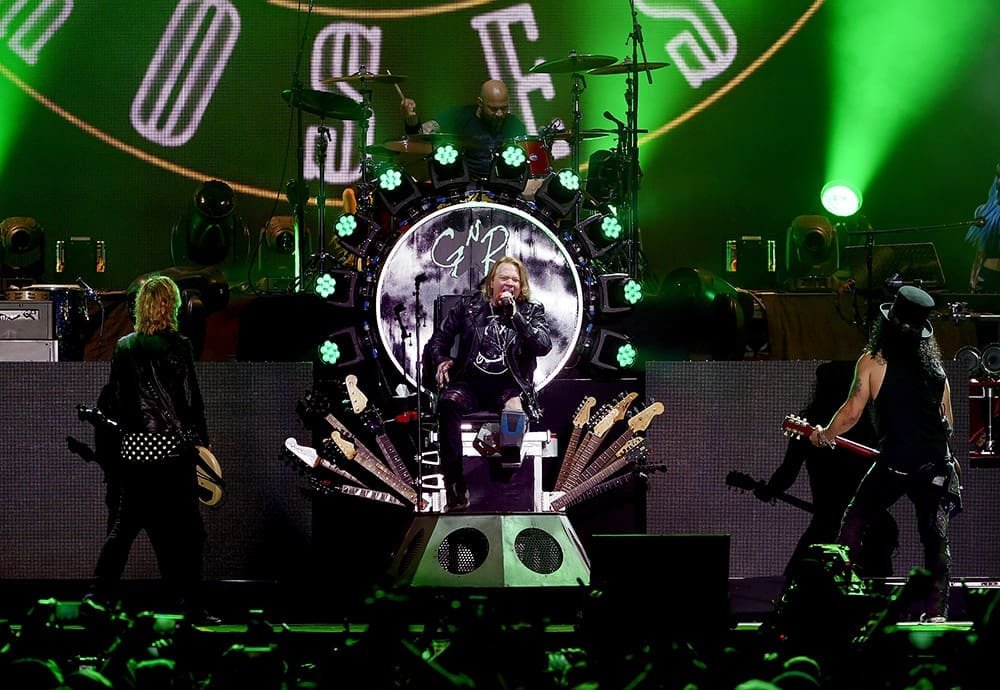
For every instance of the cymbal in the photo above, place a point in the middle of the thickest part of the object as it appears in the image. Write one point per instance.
(365, 77)
(325, 104)
(423, 144)
(573, 63)
(584, 134)
(628, 66)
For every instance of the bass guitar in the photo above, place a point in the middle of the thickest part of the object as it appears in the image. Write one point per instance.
(744, 482)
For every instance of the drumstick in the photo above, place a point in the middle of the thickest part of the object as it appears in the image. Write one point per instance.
(398, 90)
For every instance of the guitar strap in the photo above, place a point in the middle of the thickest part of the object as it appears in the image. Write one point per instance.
(168, 412)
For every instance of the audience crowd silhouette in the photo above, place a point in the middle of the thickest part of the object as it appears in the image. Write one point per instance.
(829, 629)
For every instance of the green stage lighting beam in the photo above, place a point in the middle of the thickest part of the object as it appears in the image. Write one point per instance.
(889, 61)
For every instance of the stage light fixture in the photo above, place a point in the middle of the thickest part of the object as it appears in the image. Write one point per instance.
(812, 252)
(276, 253)
(559, 193)
(341, 348)
(346, 225)
(22, 248)
(509, 170)
(600, 233)
(841, 198)
(396, 188)
(617, 292)
(336, 286)
(448, 167)
(211, 230)
(612, 351)
(357, 234)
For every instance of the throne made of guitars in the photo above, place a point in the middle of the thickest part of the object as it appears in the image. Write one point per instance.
(502, 455)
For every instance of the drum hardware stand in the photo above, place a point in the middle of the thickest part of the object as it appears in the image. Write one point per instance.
(322, 259)
(631, 196)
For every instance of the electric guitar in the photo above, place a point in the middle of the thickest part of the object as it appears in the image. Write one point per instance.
(207, 469)
(315, 409)
(745, 482)
(373, 420)
(638, 422)
(376, 467)
(580, 420)
(594, 437)
(800, 428)
(306, 458)
(633, 451)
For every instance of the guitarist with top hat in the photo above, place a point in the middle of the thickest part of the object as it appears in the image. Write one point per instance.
(901, 375)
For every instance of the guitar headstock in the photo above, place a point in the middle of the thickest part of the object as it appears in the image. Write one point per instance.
(634, 450)
(582, 415)
(614, 412)
(641, 420)
(357, 399)
(740, 480)
(796, 427)
(345, 447)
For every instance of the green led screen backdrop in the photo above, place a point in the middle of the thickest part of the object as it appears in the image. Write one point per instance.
(112, 113)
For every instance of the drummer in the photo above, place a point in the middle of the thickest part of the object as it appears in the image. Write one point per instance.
(489, 122)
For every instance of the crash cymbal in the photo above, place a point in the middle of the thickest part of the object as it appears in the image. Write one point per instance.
(583, 134)
(628, 66)
(573, 63)
(365, 77)
(424, 144)
(402, 147)
(324, 104)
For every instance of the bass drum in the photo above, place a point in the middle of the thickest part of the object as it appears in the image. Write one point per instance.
(448, 251)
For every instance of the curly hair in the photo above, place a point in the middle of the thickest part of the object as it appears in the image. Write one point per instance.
(891, 343)
(522, 272)
(156, 306)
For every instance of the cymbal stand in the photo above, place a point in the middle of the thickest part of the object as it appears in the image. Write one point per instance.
(319, 261)
(367, 172)
(579, 86)
(632, 119)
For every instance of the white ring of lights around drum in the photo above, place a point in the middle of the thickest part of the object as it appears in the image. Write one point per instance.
(454, 246)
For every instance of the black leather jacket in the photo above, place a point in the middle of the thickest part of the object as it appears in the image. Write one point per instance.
(136, 403)
(466, 321)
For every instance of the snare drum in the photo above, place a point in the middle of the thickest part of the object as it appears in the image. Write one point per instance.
(539, 158)
(69, 308)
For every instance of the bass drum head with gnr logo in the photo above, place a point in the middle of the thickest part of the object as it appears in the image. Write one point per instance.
(455, 246)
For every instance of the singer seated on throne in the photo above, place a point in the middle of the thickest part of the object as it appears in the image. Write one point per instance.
(500, 334)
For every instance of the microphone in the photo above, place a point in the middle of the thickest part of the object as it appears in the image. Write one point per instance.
(609, 116)
(507, 303)
(88, 291)
(398, 311)
(979, 222)
(422, 278)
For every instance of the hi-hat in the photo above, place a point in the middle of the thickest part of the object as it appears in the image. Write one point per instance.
(325, 104)
(628, 66)
(573, 63)
(365, 77)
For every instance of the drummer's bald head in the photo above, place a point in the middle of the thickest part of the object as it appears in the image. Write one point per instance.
(493, 103)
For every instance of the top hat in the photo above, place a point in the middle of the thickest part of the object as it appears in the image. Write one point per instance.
(909, 311)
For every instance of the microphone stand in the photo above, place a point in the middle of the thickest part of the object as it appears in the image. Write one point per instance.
(416, 379)
(870, 234)
(299, 189)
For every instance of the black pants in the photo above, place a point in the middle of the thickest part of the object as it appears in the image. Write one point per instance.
(879, 490)
(457, 399)
(162, 500)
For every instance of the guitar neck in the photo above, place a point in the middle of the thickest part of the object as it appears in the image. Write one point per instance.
(607, 456)
(855, 447)
(393, 457)
(576, 492)
(599, 489)
(385, 475)
(591, 442)
(574, 441)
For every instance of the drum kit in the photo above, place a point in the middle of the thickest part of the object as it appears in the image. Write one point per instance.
(413, 151)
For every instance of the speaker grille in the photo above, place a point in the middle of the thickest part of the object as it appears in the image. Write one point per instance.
(538, 551)
(412, 549)
(463, 551)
